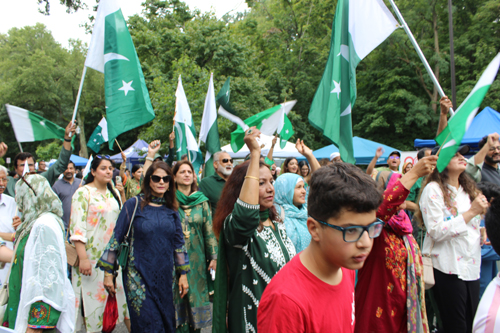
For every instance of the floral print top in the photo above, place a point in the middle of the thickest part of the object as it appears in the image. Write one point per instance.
(456, 247)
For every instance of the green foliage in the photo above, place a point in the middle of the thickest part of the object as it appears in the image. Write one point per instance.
(46, 152)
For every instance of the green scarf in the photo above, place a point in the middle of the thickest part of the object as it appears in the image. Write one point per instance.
(194, 198)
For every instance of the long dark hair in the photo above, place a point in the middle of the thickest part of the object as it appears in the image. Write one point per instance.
(90, 177)
(441, 179)
(285, 165)
(194, 185)
(231, 193)
(301, 164)
(170, 199)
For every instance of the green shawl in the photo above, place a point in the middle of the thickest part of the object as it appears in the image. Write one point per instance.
(193, 199)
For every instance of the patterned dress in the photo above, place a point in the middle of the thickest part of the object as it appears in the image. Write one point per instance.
(93, 218)
(132, 188)
(253, 258)
(193, 310)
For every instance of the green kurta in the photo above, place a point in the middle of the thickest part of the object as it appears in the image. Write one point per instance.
(42, 315)
(253, 258)
(132, 188)
(194, 309)
(212, 187)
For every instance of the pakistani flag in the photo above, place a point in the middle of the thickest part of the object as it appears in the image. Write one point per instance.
(112, 52)
(451, 137)
(268, 122)
(359, 27)
(99, 136)
(185, 132)
(225, 108)
(29, 126)
(209, 132)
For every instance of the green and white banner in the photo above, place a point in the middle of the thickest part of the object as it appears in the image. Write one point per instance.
(112, 52)
(358, 28)
(99, 136)
(451, 137)
(209, 131)
(29, 126)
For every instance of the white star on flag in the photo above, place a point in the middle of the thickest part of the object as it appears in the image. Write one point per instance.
(42, 123)
(336, 89)
(127, 87)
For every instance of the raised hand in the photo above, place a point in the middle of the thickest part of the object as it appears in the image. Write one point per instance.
(154, 147)
(425, 166)
(302, 148)
(275, 139)
(379, 152)
(250, 139)
(3, 149)
(446, 104)
(492, 139)
(70, 130)
(124, 157)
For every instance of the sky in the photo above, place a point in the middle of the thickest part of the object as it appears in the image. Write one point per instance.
(20, 13)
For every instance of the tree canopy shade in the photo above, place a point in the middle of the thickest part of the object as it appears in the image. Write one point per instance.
(276, 50)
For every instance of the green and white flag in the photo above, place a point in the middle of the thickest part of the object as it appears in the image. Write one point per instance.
(185, 132)
(86, 170)
(112, 52)
(358, 28)
(99, 136)
(29, 126)
(451, 137)
(268, 122)
(209, 132)
(225, 109)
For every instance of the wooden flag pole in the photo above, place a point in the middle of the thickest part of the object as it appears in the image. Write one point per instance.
(437, 154)
(119, 145)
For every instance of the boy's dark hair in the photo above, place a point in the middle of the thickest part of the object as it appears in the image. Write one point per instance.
(421, 153)
(492, 223)
(489, 190)
(22, 157)
(341, 186)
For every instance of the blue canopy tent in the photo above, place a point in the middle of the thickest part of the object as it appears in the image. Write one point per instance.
(486, 122)
(364, 151)
(78, 160)
(135, 153)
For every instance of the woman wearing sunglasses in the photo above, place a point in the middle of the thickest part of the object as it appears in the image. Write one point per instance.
(390, 289)
(94, 210)
(156, 247)
(253, 244)
(193, 310)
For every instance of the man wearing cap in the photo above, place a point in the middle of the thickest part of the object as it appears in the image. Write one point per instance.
(335, 157)
(382, 174)
(484, 165)
(212, 186)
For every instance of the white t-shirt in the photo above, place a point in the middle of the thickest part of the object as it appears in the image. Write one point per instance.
(488, 313)
(7, 212)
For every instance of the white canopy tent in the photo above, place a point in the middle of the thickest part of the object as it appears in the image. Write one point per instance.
(288, 151)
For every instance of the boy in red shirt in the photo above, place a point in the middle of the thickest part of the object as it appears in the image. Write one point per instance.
(314, 292)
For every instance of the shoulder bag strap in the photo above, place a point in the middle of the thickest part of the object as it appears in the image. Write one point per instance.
(133, 216)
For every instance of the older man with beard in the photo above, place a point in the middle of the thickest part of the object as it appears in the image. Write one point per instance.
(7, 215)
(212, 186)
(65, 188)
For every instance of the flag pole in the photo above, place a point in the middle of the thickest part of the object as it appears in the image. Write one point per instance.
(78, 96)
(119, 145)
(419, 51)
(20, 147)
(186, 128)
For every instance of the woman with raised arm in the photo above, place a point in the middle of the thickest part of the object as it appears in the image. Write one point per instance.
(156, 249)
(253, 244)
(132, 183)
(94, 210)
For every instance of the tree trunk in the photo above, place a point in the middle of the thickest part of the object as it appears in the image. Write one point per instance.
(83, 143)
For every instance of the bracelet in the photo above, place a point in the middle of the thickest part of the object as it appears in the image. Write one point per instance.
(67, 140)
(149, 158)
(252, 177)
(108, 274)
(122, 166)
(13, 237)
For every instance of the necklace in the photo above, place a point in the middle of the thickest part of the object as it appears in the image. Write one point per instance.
(185, 228)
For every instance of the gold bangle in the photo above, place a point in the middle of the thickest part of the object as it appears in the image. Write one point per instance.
(252, 177)
(108, 274)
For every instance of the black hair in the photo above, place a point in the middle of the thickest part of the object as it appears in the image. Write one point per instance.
(284, 166)
(71, 162)
(184, 156)
(136, 167)
(421, 153)
(301, 164)
(482, 142)
(341, 187)
(23, 157)
(489, 190)
(90, 178)
(492, 224)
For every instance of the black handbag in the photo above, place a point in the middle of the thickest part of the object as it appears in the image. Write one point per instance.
(124, 248)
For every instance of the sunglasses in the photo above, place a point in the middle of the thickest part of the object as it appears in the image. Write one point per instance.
(354, 233)
(394, 157)
(225, 160)
(156, 179)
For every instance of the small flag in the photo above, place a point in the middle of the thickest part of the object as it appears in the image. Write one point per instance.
(99, 136)
(209, 131)
(451, 137)
(358, 28)
(86, 170)
(268, 122)
(225, 109)
(30, 127)
(26, 170)
(112, 52)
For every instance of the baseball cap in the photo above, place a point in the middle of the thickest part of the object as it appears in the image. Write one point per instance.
(395, 153)
(333, 155)
(463, 150)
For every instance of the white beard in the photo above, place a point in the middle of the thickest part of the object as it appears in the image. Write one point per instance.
(222, 170)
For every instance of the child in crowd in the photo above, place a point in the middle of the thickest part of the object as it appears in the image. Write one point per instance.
(314, 292)
(487, 317)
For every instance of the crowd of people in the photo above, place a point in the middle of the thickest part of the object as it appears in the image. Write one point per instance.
(253, 247)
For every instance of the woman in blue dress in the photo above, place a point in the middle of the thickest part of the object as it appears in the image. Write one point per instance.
(156, 245)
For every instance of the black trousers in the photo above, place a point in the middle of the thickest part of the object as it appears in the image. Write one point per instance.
(457, 301)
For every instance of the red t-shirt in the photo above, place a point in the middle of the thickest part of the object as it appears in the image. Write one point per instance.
(297, 301)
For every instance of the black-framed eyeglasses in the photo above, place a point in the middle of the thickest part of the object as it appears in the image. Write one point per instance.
(156, 179)
(353, 234)
(225, 160)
